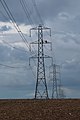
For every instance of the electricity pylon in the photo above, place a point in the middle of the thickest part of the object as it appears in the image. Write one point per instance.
(55, 77)
(41, 91)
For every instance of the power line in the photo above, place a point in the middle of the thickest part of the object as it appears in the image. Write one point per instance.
(24, 6)
(8, 42)
(37, 11)
(26, 11)
(6, 8)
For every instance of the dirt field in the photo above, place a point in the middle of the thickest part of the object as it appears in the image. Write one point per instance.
(40, 109)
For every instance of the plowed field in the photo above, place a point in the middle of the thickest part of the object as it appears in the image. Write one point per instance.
(20, 109)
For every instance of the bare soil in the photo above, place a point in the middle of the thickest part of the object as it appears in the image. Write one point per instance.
(24, 109)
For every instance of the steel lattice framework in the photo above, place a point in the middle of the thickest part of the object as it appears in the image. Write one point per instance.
(41, 91)
(55, 85)
(55, 77)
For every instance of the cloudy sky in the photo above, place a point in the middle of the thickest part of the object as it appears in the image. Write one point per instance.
(63, 17)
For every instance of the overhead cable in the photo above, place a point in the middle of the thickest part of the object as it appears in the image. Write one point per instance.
(24, 6)
(37, 11)
(5, 6)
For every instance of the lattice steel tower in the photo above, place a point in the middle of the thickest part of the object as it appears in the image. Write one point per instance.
(55, 77)
(55, 85)
(56, 81)
(41, 91)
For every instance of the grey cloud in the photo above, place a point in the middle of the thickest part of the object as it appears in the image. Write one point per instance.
(64, 16)
(5, 28)
(74, 24)
(51, 9)
(72, 65)
(72, 37)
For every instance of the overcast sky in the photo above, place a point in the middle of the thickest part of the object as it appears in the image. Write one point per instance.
(63, 17)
